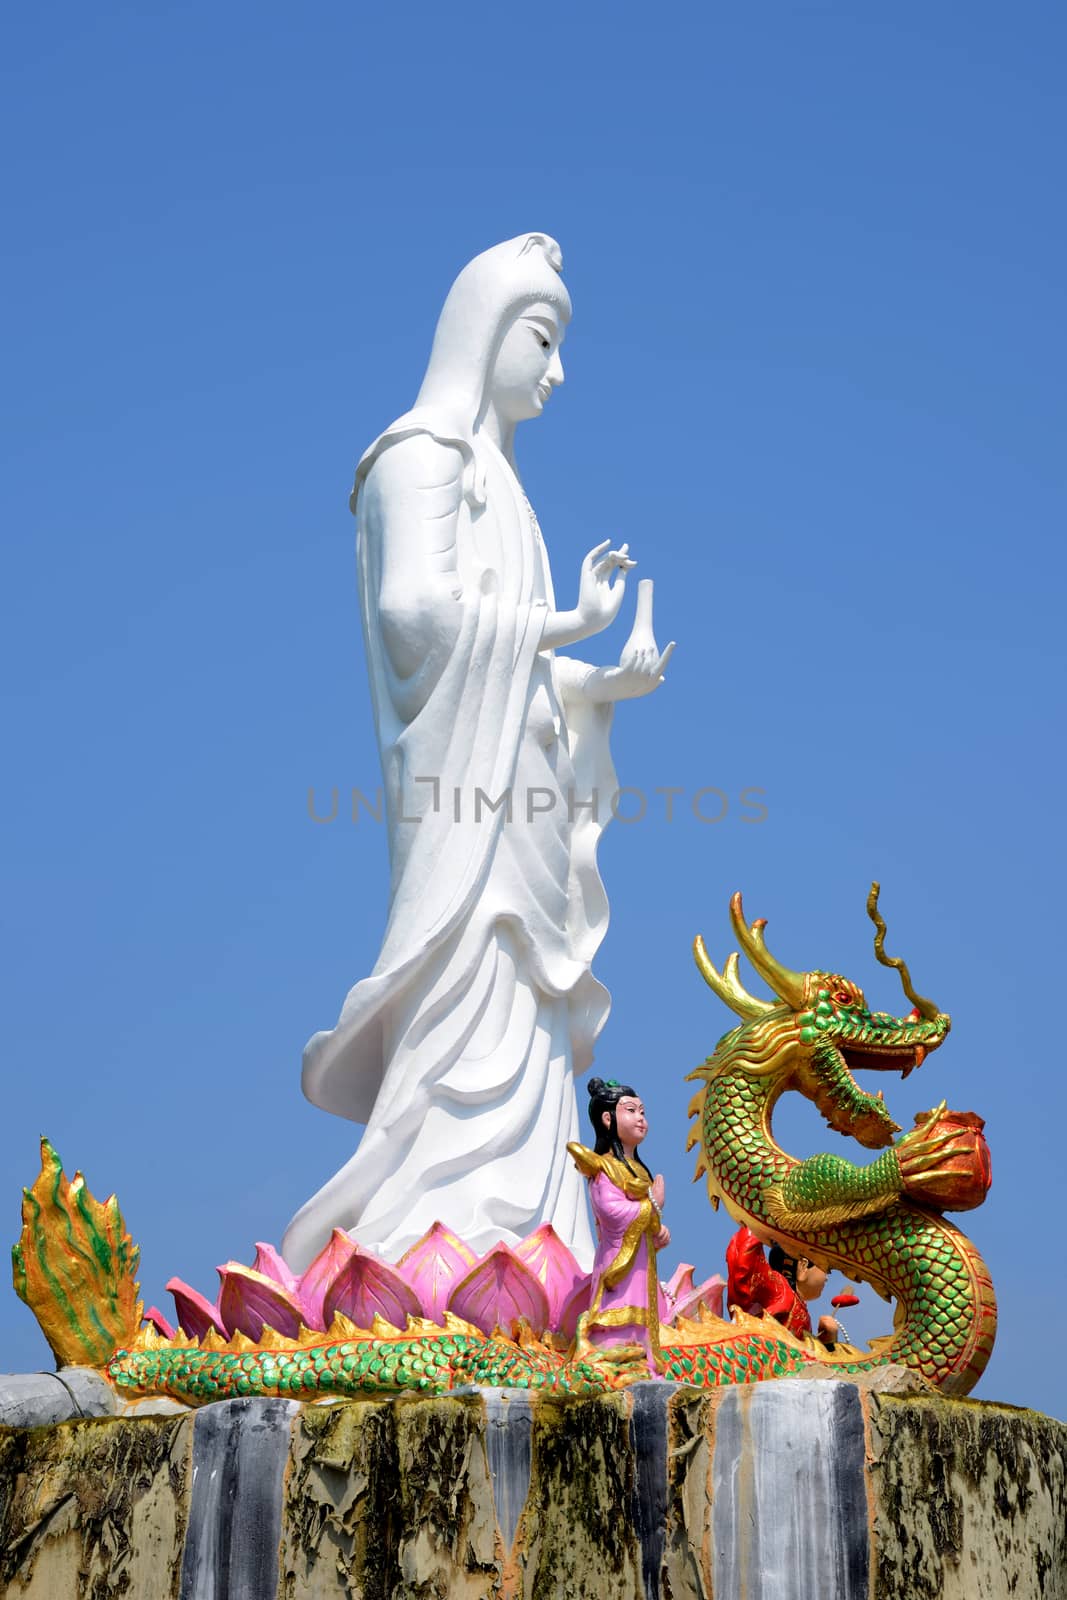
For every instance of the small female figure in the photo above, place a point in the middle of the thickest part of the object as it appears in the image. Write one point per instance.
(627, 1204)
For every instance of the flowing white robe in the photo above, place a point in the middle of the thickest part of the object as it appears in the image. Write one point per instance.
(460, 1050)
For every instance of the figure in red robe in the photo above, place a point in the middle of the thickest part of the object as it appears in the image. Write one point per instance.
(780, 1287)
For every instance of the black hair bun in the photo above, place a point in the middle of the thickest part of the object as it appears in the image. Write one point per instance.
(596, 1088)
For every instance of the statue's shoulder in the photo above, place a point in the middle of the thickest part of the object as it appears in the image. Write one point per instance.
(414, 460)
(592, 1165)
(587, 1161)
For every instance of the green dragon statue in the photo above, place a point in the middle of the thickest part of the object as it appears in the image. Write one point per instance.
(75, 1263)
(882, 1223)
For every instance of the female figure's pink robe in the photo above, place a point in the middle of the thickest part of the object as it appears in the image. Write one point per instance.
(624, 1305)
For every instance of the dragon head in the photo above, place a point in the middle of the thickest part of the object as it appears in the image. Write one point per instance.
(820, 1030)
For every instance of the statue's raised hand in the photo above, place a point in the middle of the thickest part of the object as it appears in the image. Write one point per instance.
(641, 664)
(602, 585)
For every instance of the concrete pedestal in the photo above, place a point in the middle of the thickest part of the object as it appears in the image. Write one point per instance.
(798, 1490)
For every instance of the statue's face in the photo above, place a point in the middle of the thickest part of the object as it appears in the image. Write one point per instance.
(527, 366)
(630, 1121)
(811, 1279)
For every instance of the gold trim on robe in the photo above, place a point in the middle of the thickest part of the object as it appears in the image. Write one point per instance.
(634, 1185)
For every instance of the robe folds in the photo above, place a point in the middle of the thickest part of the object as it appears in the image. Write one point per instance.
(459, 1051)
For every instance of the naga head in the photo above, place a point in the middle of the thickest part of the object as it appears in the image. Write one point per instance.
(819, 1029)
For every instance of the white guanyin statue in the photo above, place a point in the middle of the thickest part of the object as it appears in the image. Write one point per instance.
(460, 1050)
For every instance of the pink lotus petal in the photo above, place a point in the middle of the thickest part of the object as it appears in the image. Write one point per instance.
(433, 1265)
(315, 1282)
(271, 1265)
(709, 1293)
(681, 1283)
(196, 1315)
(576, 1303)
(499, 1289)
(553, 1265)
(159, 1322)
(249, 1301)
(367, 1287)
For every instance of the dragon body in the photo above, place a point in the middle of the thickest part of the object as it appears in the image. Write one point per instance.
(433, 1360)
(75, 1263)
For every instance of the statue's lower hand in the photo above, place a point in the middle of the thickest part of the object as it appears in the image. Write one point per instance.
(641, 665)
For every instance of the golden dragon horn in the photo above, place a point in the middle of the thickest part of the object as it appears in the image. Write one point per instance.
(925, 1008)
(786, 983)
(727, 984)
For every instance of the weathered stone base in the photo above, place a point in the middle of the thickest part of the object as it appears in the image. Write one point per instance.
(800, 1490)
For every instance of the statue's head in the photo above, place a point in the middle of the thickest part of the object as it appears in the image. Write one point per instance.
(498, 335)
(618, 1116)
(802, 1273)
(497, 344)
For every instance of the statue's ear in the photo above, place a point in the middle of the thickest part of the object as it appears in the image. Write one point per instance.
(605, 1117)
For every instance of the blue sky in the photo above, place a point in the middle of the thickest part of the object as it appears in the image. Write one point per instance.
(814, 377)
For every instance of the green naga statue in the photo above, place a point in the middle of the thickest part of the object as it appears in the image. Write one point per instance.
(882, 1223)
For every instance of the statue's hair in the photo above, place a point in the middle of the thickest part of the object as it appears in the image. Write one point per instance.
(552, 252)
(551, 293)
(778, 1261)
